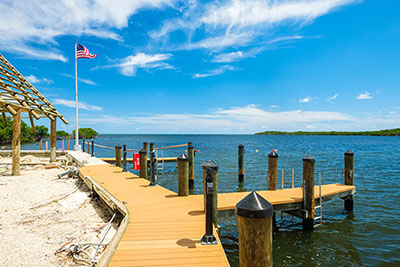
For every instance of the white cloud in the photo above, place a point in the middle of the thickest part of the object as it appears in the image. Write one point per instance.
(87, 81)
(33, 79)
(236, 23)
(332, 98)
(130, 64)
(81, 105)
(30, 28)
(215, 72)
(273, 106)
(364, 96)
(305, 100)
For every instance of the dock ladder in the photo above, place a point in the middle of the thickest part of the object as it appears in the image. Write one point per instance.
(160, 165)
(319, 207)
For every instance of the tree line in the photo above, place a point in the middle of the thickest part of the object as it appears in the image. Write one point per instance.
(42, 132)
(387, 132)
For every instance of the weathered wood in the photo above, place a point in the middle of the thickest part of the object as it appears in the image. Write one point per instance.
(32, 123)
(88, 147)
(143, 163)
(40, 144)
(254, 221)
(308, 191)
(118, 155)
(349, 177)
(145, 146)
(183, 175)
(151, 146)
(67, 144)
(16, 144)
(272, 170)
(191, 164)
(53, 139)
(241, 163)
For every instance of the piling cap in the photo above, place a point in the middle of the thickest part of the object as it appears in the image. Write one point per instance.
(190, 145)
(349, 152)
(273, 154)
(241, 146)
(142, 151)
(309, 158)
(118, 146)
(209, 164)
(254, 206)
(182, 157)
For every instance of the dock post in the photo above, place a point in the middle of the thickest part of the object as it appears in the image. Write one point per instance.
(254, 222)
(92, 147)
(68, 144)
(183, 175)
(191, 165)
(151, 149)
(118, 155)
(210, 170)
(272, 170)
(83, 145)
(88, 147)
(143, 163)
(153, 163)
(124, 157)
(41, 144)
(349, 177)
(151, 146)
(308, 192)
(241, 163)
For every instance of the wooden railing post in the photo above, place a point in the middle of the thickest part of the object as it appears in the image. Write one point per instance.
(349, 177)
(241, 163)
(143, 163)
(53, 138)
(16, 144)
(183, 175)
(118, 155)
(254, 221)
(191, 165)
(308, 192)
(272, 170)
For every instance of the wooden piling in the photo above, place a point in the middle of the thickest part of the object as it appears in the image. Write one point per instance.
(241, 163)
(68, 144)
(83, 145)
(143, 163)
(16, 144)
(183, 175)
(145, 146)
(308, 192)
(254, 221)
(191, 164)
(349, 177)
(40, 144)
(53, 139)
(272, 170)
(118, 155)
(151, 146)
(211, 168)
(88, 147)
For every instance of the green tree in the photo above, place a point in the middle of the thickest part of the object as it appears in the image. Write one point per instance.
(41, 132)
(62, 134)
(86, 133)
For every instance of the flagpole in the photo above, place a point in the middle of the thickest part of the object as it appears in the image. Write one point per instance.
(77, 146)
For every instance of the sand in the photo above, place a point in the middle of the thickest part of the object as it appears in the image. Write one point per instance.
(34, 224)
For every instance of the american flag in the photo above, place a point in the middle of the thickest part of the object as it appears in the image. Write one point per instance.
(83, 52)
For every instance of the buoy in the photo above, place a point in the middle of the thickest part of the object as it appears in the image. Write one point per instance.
(256, 150)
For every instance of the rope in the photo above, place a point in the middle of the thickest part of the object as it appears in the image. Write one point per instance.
(158, 148)
(130, 150)
(107, 147)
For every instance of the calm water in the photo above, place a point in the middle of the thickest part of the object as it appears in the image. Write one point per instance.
(370, 236)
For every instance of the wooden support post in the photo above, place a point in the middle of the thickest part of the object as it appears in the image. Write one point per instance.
(88, 147)
(145, 147)
(183, 175)
(118, 155)
(272, 170)
(151, 146)
(308, 192)
(68, 144)
(32, 123)
(191, 164)
(143, 163)
(254, 221)
(53, 139)
(349, 177)
(151, 165)
(16, 144)
(40, 144)
(210, 169)
(241, 163)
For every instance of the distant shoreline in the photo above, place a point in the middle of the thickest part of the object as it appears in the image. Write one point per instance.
(387, 132)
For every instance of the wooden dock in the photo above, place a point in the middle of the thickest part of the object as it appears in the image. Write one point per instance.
(162, 229)
(130, 160)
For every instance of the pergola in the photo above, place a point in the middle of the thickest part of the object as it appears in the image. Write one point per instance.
(18, 96)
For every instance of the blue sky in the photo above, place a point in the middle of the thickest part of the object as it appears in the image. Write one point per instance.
(192, 66)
